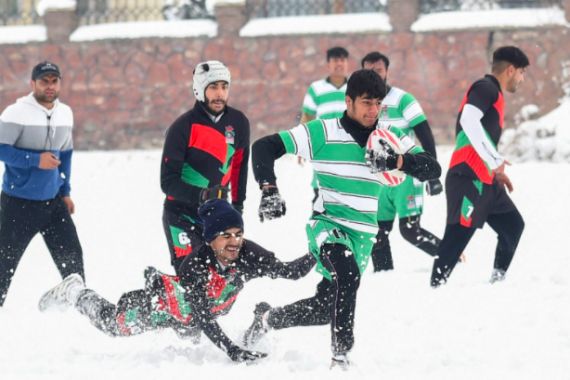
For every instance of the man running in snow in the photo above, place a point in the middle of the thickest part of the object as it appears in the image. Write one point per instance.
(209, 283)
(476, 180)
(343, 226)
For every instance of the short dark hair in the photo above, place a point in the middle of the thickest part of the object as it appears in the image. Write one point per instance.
(367, 83)
(510, 55)
(374, 57)
(337, 52)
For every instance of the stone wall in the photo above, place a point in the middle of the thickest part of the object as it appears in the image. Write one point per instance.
(125, 93)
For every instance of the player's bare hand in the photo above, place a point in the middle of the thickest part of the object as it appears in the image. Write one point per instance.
(501, 168)
(504, 180)
(48, 161)
(69, 204)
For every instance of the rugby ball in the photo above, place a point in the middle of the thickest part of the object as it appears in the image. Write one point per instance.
(392, 177)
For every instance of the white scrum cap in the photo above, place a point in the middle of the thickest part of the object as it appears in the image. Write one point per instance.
(206, 73)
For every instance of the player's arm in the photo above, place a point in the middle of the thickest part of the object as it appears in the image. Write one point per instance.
(415, 162)
(10, 132)
(425, 136)
(172, 164)
(264, 263)
(479, 100)
(240, 165)
(264, 153)
(196, 295)
(309, 108)
(420, 165)
(414, 115)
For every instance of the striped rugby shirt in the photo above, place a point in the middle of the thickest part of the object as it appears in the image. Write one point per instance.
(323, 100)
(348, 192)
(400, 109)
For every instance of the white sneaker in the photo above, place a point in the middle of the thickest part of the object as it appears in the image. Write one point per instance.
(497, 275)
(340, 361)
(64, 294)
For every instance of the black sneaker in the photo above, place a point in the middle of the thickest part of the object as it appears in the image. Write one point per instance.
(259, 326)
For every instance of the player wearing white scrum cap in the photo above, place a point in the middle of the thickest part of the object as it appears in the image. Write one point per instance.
(205, 156)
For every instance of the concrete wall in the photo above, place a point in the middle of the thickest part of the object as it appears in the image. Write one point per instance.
(125, 93)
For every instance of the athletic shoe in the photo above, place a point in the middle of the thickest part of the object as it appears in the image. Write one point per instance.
(259, 327)
(497, 275)
(64, 294)
(340, 361)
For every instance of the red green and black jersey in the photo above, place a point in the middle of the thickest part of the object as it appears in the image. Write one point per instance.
(486, 95)
(199, 153)
(211, 289)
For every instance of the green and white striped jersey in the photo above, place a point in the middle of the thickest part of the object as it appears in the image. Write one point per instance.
(400, 109)
(348, 192)
(324, 101)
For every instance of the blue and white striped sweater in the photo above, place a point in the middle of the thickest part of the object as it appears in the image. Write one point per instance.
(28, 129)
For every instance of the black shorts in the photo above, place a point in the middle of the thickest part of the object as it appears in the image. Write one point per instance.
(183, 236)
(470, 202)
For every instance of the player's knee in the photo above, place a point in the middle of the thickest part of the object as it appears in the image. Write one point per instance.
(410, 229)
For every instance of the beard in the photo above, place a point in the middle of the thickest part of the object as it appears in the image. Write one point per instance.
(209, 103)
(44, 98)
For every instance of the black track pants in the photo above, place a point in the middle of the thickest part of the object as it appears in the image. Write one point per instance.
(508, 226)
(21, 220)
(412, 231)
(334, 302)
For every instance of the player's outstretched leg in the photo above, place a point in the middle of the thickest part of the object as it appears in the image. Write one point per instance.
(509, 227)
(64, 294)
(452, 245)
(413, 232)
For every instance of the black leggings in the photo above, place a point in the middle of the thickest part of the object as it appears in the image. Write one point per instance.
(21, 220)
(508, 226)
(412, 231)
(334, 302)
(131, 315)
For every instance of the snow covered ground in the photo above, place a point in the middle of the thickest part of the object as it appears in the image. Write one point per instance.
(469, 329)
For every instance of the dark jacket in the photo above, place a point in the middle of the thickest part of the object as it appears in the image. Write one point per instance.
(199, 153)
(211, 290)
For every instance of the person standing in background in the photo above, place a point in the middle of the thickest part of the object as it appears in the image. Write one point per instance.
(206, 150)
(325, 97)
(36, 146)
(400, 109)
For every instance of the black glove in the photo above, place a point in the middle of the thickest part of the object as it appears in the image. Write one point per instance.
(434, 187)
(238, 207)
(214, 192)
(381, 161)
(241, 355)
(271, 206)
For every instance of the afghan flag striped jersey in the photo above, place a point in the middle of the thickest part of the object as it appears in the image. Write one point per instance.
(323, 100)
(348, 192)
(400, 109)
(486, 95)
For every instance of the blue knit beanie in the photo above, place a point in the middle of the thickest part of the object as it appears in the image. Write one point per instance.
(218, 215)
